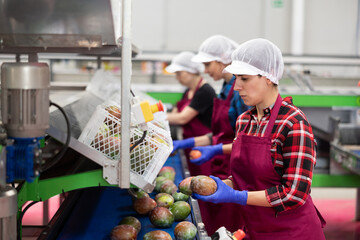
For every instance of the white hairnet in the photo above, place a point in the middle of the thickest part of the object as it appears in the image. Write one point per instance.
(182, 62)
(216, 48)
(257, 56)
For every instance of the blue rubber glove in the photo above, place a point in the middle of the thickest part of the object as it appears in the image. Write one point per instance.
(186, 143)
(224, 194)
(207, 153)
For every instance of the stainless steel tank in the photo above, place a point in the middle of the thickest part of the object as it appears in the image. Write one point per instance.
(25, 99)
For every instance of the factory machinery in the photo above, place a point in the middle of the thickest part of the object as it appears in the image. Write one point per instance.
(50, 152)
(52, 148)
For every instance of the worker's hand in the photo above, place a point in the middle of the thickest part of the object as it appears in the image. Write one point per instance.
(186, 143)
(224, 194)
(207, 153)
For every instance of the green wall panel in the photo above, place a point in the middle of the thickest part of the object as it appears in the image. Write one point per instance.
(299, 100)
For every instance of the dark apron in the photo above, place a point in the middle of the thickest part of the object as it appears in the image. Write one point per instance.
(222, 133)
(252, 170)
(225, 214)
(194, 128)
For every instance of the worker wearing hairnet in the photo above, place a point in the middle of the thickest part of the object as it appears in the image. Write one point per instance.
(273, 154)
(215, 54)
(193, 112)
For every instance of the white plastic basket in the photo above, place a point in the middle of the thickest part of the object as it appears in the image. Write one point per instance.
(160, 118)
(103, 133)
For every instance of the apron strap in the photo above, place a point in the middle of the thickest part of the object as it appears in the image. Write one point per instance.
(274, 114)
(197, 87)
(247, 125)
(229, 96)
(272, 119)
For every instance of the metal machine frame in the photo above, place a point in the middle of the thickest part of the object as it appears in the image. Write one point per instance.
(24, 33)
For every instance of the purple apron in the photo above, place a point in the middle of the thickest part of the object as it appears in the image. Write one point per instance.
(194, 128)
(252, 170)
(225, 214)
(222, 133)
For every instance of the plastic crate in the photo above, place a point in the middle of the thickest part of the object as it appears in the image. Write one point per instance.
(160, 118)
(103, 133)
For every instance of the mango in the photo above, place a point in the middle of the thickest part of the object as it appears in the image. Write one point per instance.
(144, 205)
(157, 235)
(140, 158)
(110, 146)
(185, 231)
(158, 182)
(115, 116)
(203, 185)
(123, 232)
(184, 186)
(139, 193)
(161, 217)
(158, 195)
(179, 196)
(168, 187)
(132, 221)
(104, 130)
(168, 172)
(180, 210)
(164, 200)
(114, 111)
(116, 131)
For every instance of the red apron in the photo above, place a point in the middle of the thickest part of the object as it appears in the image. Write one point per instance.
(252, 170)
(194, 128)
(225, 214)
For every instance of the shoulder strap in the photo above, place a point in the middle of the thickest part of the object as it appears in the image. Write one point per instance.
(273, 116)
(231, 92)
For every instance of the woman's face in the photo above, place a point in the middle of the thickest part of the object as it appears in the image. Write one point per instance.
(184, 77)
(215, 69)
(252, 89)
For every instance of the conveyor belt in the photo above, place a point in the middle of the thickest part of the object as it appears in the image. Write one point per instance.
(100, 209)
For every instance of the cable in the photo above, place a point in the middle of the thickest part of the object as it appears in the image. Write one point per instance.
(19, 220)
(132, 93)
(60, 154)
(139, 141)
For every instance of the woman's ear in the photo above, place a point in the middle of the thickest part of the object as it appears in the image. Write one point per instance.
(268, 82)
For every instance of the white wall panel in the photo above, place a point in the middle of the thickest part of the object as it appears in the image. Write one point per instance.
(148, 24)
(330, 27)
(176, 25)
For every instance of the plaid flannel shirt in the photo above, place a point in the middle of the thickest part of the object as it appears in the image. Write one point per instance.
(293, 153)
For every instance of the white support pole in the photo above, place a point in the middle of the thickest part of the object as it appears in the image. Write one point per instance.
(126, 71)
(297, 29)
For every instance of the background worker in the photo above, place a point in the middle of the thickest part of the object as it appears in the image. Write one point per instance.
(193, 112)
(215, 54)
(274, 154)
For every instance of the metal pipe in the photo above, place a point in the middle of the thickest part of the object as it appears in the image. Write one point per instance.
(126, 68)
(46, 208)
(2, 169)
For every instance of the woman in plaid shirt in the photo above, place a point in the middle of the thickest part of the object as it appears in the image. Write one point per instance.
(273, 154)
